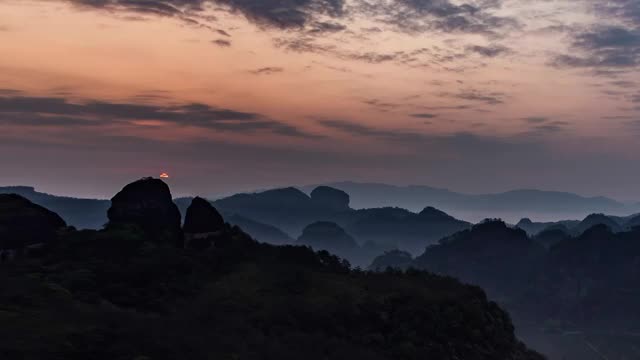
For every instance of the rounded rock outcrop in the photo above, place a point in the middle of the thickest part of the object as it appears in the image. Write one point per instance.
(330, 198)
(202, 217)
(147, 203)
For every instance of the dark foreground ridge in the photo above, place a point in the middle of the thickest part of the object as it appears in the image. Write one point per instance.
(125, 292)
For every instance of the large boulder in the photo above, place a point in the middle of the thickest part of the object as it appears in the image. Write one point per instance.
(202, 221)
(330, 198)
(23, 223)
(147, 203)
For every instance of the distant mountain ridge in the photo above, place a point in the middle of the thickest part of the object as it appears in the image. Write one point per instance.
(80, 213)
(576, 227)
(509, 205)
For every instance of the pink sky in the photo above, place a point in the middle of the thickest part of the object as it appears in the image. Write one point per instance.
(232, 95)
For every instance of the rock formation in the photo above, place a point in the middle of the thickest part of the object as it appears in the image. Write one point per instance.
(202, 221)
(147, 203)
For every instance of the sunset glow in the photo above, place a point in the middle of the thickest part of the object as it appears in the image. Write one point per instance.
(399, 91)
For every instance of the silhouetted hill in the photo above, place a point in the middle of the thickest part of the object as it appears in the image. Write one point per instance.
(553, 284)
(288, 209)
(575, 227)
(23, 223)
(593, 220)
(324, 235)
(593, 279)
(81, 213)
(534, 228)
(622, 220)
(258, 230)
(382, 229)
(394, 259)
(399, 228)
(261, 232)
(125, 293)
(501, 260)
(511, 205)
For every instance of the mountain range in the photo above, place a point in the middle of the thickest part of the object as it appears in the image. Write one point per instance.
(152, 284)
(555, 278)
(280, 216)
(509, 206)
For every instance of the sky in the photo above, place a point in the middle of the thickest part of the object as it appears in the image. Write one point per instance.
(475, 96)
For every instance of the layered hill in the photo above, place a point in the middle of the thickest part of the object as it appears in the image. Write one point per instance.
(511, 205)
(577, 227)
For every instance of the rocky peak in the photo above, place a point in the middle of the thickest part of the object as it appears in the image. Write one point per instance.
(147, 203)
(202, 217)
(330, 198)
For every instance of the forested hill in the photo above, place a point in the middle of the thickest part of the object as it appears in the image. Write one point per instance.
(146, 288)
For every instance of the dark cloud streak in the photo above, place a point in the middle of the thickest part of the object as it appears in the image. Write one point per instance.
(52, 111)
(221, 43)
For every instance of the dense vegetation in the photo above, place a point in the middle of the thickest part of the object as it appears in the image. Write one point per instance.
(552, 284)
